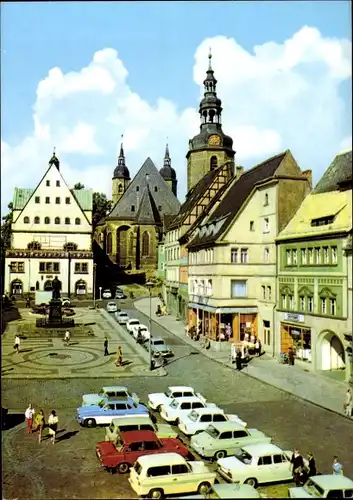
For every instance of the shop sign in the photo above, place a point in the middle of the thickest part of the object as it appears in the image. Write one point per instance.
(299, 318)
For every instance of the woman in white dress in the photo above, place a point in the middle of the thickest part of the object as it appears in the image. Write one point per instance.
(53, 425)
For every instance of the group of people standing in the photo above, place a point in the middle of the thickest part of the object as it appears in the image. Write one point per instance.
(301, 471)
(38, 419)
(119, 352)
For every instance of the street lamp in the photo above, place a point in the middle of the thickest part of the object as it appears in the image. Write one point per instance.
(100, 293)
(150, 285)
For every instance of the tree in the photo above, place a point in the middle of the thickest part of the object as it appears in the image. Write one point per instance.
(78, 185)
(6, 228)
(101, 207)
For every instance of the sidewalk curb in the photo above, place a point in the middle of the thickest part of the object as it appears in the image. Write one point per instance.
(206, 354)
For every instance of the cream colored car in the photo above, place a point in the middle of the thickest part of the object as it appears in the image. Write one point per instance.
(143, 423)
(164, 474)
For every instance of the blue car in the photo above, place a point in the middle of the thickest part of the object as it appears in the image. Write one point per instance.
(106, 410)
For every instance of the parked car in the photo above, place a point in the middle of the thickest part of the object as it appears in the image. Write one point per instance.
(225, 438)
(324, 486)
(122, 317)
(105, 411)
(175, 410)
(198, 420)
(120, 295)
(112, 307)
(115, 392)
(157, 399)
(256, 464)
(158, 346)
(159, 475)
(125, 424)
(65, 301)
(107, 294)
(130, 325)
(142, 329)
(233, 490)
(122, 454)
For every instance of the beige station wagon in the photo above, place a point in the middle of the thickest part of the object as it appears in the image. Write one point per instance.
(139, 423)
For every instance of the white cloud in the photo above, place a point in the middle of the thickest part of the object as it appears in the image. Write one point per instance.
(277, 96)
(346, 144)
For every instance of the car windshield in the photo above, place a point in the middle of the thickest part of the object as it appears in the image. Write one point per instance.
(134, 322)
(193, 416)
(313, 489)
(244, 457)
(137, 468)
(212, 431)
(169, 393)
(174, 404)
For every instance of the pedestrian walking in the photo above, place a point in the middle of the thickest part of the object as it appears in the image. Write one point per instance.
(291, 356)
(29, 418)
(67, 338)
(238, 359)
(312, 470)
(40, 424)
(348, 403)
(297, 467)
(106, 352)
(258, 347)
(337, 467)
(119, 356)
(53, 425)
(28, 302)
(17, 344)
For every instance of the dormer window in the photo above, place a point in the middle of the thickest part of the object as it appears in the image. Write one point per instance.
(137, 188)
(322, 221)
(155, 189)
(132, 208)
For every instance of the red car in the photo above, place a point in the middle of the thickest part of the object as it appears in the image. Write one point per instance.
(133, 444)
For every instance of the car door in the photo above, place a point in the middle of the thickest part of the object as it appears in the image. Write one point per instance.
(133, 451)
(238, 440)
(204, 421)
(107, 413)
(281, 467)
(265, 471)
(225, 442)
(182, 480)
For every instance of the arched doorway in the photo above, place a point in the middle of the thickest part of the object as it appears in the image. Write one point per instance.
(48, 287)
(16, 287)
(332, 352)
(81, 287)
(122, 257)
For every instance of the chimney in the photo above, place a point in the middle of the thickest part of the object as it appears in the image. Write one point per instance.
(238, 170)
(309, 175)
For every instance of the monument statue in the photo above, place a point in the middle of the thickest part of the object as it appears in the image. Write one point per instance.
(56, 284)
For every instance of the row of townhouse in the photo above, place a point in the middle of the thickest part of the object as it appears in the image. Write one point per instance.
(272, 258)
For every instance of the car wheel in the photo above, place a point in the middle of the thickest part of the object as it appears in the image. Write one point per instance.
(251, 481)
(220, 454)
(90, 422)
(203, 488)
(123, 468)
(155, 493)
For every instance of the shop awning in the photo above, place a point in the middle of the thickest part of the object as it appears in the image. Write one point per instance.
(223, 310)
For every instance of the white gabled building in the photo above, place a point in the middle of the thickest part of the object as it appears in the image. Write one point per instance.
(51, 235)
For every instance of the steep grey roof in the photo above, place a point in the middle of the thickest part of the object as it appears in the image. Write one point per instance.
(148, 212)
(159, 190)
(340, 171)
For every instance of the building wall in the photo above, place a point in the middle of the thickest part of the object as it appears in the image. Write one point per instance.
(161, 269)
(199, 163)
(53, 239)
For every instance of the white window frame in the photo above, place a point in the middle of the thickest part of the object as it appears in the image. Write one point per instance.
(334, 255)
(311, 255)
(333, 307)
(317, 256)
(302, 303)
(310, 304)
(291, 302)
(295, 257)
(243, 255)
(303, 256)
(243, 284)
(323, 301)
(266, 254)
(269, 292)
(288, 257)
(266, 225)
(284, 301)
(263, 289)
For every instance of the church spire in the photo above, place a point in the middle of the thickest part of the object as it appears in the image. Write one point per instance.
(167, 161)
(121, 170)
(210, 106)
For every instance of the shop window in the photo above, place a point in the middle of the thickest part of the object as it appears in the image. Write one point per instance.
(334, 255)
(234, 255)
(288, 257)
(303, 256)
(310, 304)
(47, 200)
(239, 288)
(269, 293)
(252, 225)
(295, 257)
(311, 255)
(244, 255)
(284, 301)
(266, 254)
(318, 256)
(323, 305)
(267, 332)
(263, 289)
(37, 199)
(333, 307)
(302, 303)
(290, 302)
(26, 220)
(301, 339)
(17, 267)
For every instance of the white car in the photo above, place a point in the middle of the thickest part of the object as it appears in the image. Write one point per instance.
(177, 408)
(122, 317)
(324, 486)
(220, 491)
(165, 474)
(107, 294)
(144, 332)
(225, 438)
(157, 399)
(112, 307)
(256, 464)
(130, 325)
(198, 420)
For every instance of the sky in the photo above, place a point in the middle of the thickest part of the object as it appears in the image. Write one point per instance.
(79, 75)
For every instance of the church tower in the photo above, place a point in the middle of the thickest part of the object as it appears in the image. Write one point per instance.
(168, 173)
(121, 177)
(211, 147)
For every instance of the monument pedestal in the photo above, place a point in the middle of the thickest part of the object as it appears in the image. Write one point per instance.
(55, 313)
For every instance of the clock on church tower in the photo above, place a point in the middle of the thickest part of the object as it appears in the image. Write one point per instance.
(214, 140)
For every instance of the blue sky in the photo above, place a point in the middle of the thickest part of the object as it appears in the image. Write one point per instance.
(156, 41)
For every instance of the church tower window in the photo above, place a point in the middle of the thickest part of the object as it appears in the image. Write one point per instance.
(213, 163)
(145, 244)
(120, 188)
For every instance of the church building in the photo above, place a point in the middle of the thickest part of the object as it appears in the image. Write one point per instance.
(131, 232)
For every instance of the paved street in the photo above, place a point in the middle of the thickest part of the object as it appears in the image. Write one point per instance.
(70, 469)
